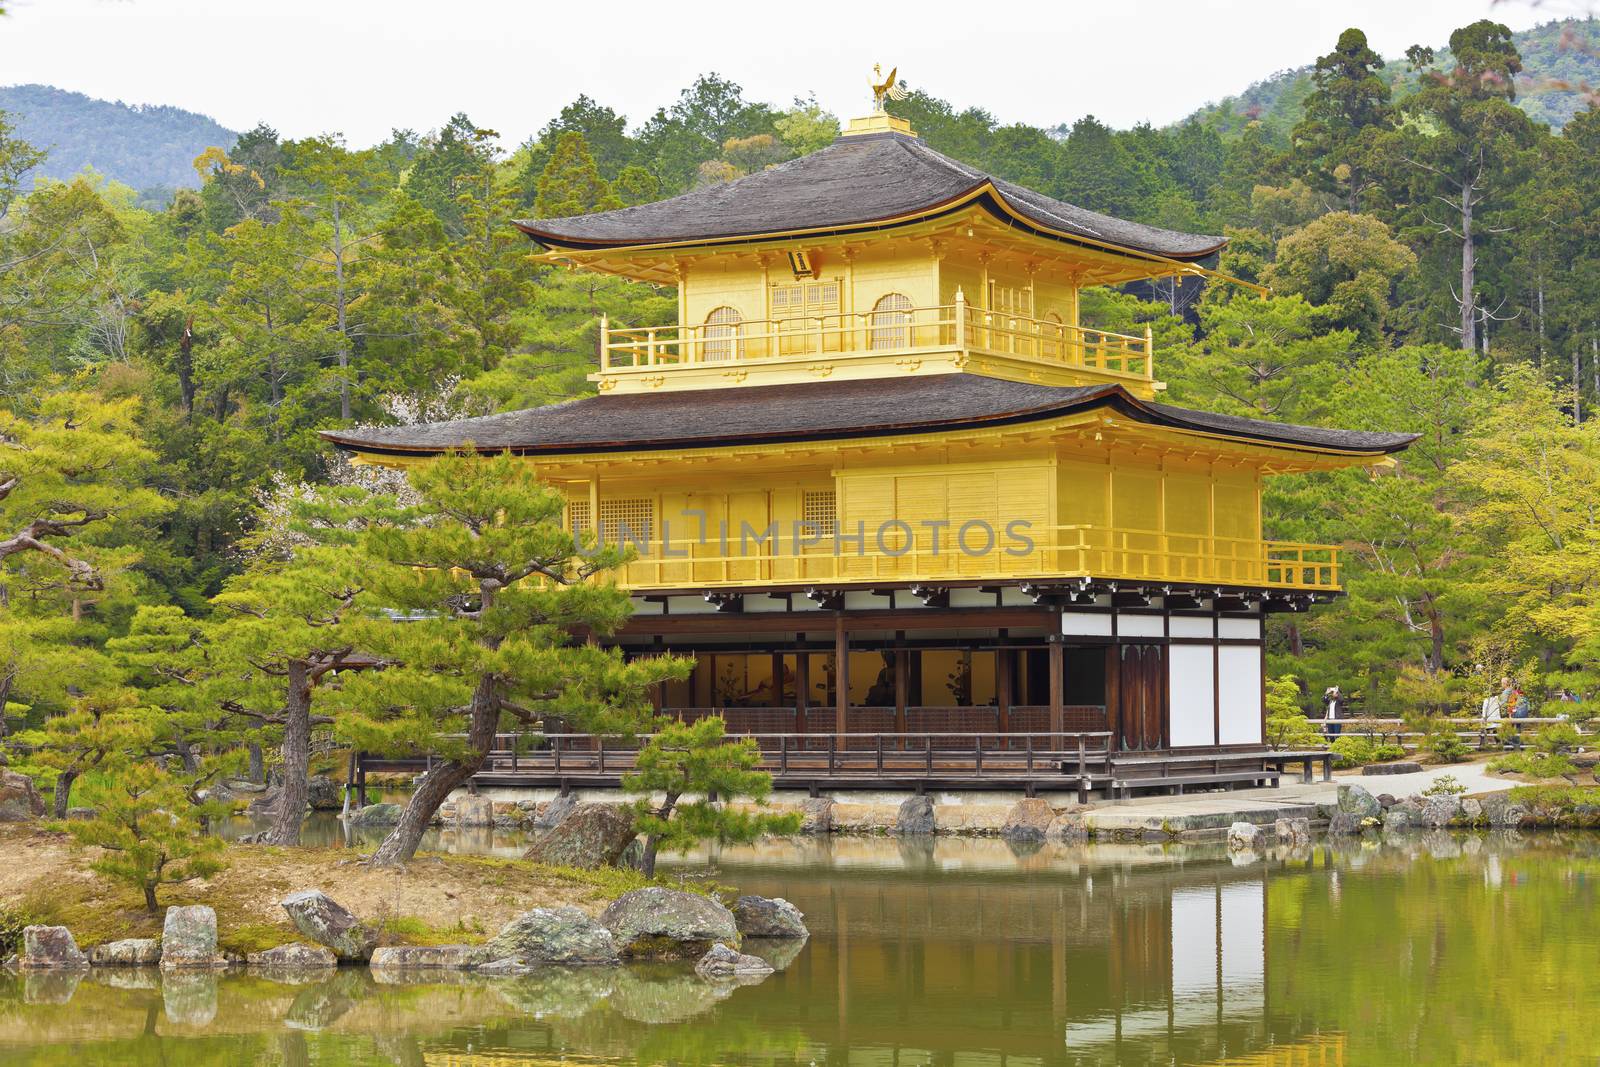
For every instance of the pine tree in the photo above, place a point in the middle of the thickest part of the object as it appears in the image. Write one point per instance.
(148, 831)
(494, 595)
(697, 770)
(571, 183)
(1344, 115)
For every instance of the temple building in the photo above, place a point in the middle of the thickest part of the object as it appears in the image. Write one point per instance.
(914, 520)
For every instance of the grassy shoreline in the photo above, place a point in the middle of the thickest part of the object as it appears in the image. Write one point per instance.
(437, 899)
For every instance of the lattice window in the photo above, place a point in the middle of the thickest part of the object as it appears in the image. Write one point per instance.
(820, 509)
(722, 335)
(1010, 300)
(891, 322)
(630, 520)
(806, 298)
(578, 518)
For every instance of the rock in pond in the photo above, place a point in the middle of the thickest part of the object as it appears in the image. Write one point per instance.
(1069, 827)
(326, 922)
(816, 815)
(1293, 831)
(294, 957)
(1399, 818)
(1437, 811)
(1028, 820)
(915, 817)
(668, 924)
(559, 808)
(50, 948)
(474, 811)
(426, 957)
(130, 952)
(1501, 813)
(553, 935)
(723, 962)
(768, 917)
(591, 836)
(1355, 800)
(1344, 824)
(1245, 837)
(323, 793)
(19, 800)
(376, 815)
(189, 938)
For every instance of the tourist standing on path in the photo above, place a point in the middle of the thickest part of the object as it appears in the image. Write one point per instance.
(1334, 701)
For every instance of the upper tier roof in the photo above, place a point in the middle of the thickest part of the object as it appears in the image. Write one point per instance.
(872, 407)
(856, 182)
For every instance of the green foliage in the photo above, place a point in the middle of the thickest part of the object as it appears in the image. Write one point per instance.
(1445, 785)
(493, 592)
(1555, 798)
(14, 918)
(697, 770)
(1446, 746)
(1558, 737)
(1287, 725)
(1534, 765)
(149, 830)
(571, 183)
(1355, 750)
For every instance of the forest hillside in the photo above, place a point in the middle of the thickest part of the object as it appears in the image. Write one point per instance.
(144, 146)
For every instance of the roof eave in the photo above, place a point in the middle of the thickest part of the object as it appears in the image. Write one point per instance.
(980, 191)
(1113, 395)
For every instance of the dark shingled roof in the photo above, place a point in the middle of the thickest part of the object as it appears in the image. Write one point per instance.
(854, 182)
(707, 418)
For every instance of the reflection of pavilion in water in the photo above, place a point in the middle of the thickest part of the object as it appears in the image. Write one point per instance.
(1132, 956)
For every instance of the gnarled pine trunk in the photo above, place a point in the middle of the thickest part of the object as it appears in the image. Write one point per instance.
(445, 777)
(296, 758)
(63, 798)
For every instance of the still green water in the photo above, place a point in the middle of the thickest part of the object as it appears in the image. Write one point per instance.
(1423, 950)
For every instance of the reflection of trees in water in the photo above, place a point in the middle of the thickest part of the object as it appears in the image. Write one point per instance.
(1414, 943)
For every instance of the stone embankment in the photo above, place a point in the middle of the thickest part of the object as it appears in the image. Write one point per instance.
(650, 924)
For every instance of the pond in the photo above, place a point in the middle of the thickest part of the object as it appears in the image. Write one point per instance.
(1432, 949)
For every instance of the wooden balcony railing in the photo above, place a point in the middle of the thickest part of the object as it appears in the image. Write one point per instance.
(903, 331)
(1067, 551)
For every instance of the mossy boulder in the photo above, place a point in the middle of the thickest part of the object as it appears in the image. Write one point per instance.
(590, 836)
(668, 924)
(553, 935)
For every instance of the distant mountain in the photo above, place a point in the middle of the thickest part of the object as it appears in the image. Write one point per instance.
(145, 146)
(1561, 68)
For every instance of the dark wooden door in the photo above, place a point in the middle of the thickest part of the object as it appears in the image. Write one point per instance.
(1141, 697)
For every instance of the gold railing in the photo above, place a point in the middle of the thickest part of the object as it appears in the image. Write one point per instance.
(740, 557)
(945, 326)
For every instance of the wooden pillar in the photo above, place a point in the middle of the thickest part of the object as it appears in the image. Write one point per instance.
(1057, 683)
(802, 682)
(1003, 658)
(902, 663)
(841, 673)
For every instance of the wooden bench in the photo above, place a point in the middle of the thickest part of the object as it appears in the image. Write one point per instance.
(1122, 788)
(1306, 759)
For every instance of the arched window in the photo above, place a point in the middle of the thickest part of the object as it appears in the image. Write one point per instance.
(1053, 336)
(722, 335)
(891, 322)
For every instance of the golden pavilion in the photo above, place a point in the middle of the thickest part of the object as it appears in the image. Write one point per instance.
(915, 522)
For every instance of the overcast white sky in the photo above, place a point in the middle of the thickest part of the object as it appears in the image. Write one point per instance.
(361, 67)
